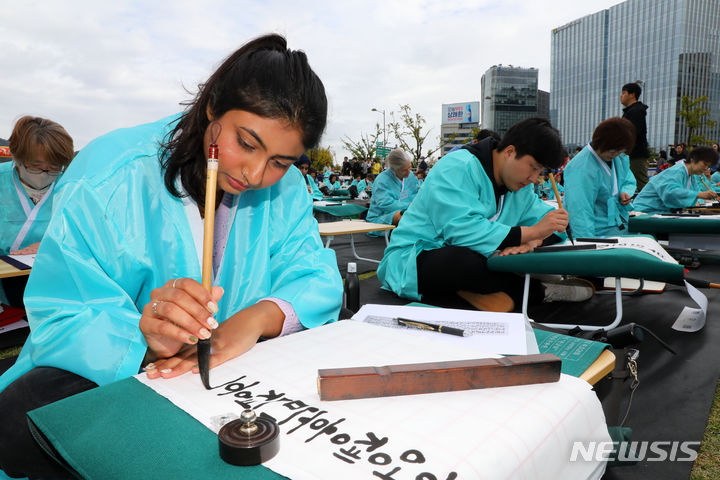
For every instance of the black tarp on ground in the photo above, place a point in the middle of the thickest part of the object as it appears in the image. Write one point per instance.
(673, 400)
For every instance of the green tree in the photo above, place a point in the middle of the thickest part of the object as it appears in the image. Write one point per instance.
(366, 146)
(320, 158)
(694, 115)
(409, 131)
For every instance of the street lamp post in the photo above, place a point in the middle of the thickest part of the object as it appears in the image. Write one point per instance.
(383, 114)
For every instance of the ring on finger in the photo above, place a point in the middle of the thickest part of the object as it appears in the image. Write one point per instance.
(173, 284)
(154, 306)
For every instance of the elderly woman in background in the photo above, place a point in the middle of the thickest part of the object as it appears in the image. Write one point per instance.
(393, 190)
(41, 150)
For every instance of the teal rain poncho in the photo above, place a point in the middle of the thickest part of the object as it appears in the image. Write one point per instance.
(117, 234)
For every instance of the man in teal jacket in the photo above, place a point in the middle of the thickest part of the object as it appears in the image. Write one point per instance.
(474, 202)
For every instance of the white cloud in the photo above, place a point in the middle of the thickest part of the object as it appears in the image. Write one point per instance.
(97, 66)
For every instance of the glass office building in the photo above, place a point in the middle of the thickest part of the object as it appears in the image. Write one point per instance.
(510, 94)
(671, 47)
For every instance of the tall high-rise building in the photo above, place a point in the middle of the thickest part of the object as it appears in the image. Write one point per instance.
(670, 47)
(543, 103)
(509, 94)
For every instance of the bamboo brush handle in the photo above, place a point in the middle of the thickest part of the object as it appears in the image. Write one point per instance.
(209, 231)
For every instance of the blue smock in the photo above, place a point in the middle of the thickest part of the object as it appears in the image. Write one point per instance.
(117, 233)
(334, 186)
(672, 188)
(715, 178)
(545, 190)
(361, 186)
(592, 194)
(316, 193)
(456, 206)
(17, 211)
(390, 194)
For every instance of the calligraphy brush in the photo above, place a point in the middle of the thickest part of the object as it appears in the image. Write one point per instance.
(708, 187)
(204, 346)
(557, 197)
(696, 282)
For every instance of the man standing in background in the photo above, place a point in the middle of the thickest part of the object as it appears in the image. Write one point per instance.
(636, 111)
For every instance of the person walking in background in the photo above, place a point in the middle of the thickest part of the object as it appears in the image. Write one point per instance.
(636, 111)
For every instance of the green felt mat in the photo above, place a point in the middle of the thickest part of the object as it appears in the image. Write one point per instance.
(650, 224)
(126, 430)
(592, 263)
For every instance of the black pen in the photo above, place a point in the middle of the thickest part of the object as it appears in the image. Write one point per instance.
(430, 326)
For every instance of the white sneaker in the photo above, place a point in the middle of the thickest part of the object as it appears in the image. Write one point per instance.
(568, 290)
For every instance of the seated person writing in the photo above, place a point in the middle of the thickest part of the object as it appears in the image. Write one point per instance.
(599, 184)
(303, 164)
(475, 201)
(41, 150)
(544, 189)
(333, 184)
(117, 280)
(675, 187)
(393, 190)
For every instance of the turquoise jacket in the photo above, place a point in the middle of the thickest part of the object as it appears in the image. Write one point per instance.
(117, 233)
(592, 194)
(715, 178)
(545, 190)
(316, 193)
(456, 206)
(671, 188)
(15, 208)
(390, 194)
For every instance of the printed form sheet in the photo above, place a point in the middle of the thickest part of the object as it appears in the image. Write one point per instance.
(511, 432)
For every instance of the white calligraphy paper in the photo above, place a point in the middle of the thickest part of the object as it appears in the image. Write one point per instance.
(512, 432)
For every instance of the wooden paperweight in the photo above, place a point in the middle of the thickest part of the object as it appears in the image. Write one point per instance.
(411, 379)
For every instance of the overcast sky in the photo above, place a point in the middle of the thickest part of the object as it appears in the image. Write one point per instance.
(95, 66)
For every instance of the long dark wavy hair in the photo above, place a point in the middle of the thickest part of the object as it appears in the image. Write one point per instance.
(263, 77)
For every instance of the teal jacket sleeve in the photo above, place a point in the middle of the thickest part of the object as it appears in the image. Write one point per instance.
(629, 184)
(715, 178)
(385, 201)
(303, 272)
(459, 220)
(316, 193)
(580, 198)
(80, 297)
(673, 194)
